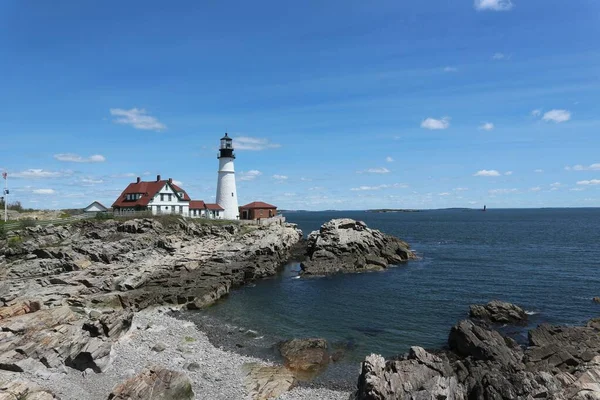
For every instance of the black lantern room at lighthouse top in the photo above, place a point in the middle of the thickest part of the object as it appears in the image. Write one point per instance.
(226, 149)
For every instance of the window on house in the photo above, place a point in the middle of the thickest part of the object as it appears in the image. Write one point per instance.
(231, 194)
(180, 209)
(170, 197)
(162, 197)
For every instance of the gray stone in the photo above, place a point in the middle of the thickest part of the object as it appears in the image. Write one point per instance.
(155, 382)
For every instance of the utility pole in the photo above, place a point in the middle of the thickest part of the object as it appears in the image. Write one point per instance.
(5, 176)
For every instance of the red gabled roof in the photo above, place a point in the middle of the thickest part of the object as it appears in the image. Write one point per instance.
(178, 189)
(147, 190)
(258, 204)
(197, 205)
(211, 206)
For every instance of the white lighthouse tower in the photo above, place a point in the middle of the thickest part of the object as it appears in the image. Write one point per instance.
(226, 191)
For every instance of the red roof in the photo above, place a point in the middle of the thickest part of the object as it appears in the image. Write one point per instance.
(197, 205)
(148, 190)
(216, 207)
(258, 204)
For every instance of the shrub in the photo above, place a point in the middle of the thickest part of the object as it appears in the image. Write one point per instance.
(27, 222)
(101, 216)
(2, 231)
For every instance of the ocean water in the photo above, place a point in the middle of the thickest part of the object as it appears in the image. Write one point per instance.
(546, 260)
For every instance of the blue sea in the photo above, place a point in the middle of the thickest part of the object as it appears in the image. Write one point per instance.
(546, 260)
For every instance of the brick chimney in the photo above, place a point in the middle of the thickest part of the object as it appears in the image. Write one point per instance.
(171, 181)
(157, 178)
(138, 180)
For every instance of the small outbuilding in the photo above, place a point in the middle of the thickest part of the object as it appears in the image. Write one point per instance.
(94, 208)
(257, 210)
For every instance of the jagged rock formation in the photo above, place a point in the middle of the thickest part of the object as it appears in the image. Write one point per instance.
(346, 245)
(68, 292)
(560, 363)
(155, 382)
(498, 312)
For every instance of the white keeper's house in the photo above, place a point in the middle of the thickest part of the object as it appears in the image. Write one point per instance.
(163, 197)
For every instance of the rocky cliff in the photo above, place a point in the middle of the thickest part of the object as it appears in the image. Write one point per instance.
(481, 364)
(346, 245)
(68, 292)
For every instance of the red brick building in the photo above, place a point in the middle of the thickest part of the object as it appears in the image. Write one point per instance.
(257, 210)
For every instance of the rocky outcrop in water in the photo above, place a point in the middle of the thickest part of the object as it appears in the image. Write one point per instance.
(346, 245)
(499, 312)
(305, 355)
(68, 292)
(481, 364)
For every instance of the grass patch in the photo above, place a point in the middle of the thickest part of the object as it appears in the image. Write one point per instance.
(15, 241)
(189, 339)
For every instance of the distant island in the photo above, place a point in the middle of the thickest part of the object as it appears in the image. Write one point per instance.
(391, 210)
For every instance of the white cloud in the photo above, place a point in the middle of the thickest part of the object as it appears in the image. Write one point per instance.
(589, 182)
(486, 172)
(253, 144)
(579, 167)
(280, 177)
(91, 181)
(498, 56)
(70, 157)
(577, 189)
(389, 159)
(536, 113)
(381, 170)
(460, 189)
(436, 124)
(43, 191)
(488, 126)
(40, 173)
(444, 194)
(557, 116)
(502, 191)
(450, 69)
(250, 175)
(138, 118)
(508, 173)
(538, 171)
(493, 5)
(177, 183)
(555, 184)
(379, 187)
(125, 175)
(305, 179)
(536, 189)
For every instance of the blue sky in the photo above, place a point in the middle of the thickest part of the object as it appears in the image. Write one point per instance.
(332, 105)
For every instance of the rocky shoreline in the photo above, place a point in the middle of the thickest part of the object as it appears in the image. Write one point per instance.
(70, 295)
(83, 316)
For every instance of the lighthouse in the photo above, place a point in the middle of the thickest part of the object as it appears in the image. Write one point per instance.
(226, 191)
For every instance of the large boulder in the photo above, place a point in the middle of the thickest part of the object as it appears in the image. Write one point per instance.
(155, 382)
(346, 245)
(419, 375)
(469, 340)
(305, 355)
(498, 312)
